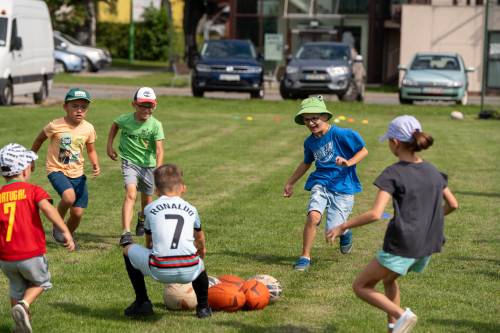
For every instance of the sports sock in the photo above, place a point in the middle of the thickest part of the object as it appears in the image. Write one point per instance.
(200, 286)
(137, 280)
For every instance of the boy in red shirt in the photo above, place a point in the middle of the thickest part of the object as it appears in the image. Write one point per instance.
(22, 238)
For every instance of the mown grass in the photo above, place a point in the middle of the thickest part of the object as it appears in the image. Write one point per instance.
(235, 169)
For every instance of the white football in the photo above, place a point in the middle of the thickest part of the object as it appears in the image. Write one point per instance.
(457, 115)
(212, 281)
(180, 296)
(273, 285)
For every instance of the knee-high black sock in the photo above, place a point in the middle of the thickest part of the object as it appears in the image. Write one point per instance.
(200, 286)
(137, 280)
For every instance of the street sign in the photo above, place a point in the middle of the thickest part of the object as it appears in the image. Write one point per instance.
(273, 47)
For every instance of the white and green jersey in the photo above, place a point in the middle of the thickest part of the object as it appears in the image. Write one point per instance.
(171, 222)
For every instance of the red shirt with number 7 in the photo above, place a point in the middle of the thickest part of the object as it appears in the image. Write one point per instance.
(21, 231)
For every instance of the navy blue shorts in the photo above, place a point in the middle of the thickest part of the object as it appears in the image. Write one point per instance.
(61, 183)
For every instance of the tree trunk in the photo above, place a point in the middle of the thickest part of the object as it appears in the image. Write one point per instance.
(91, 22)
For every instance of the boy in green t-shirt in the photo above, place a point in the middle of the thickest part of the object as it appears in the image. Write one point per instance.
(141, 151)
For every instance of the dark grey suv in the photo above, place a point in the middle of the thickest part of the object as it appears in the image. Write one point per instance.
(324, 68)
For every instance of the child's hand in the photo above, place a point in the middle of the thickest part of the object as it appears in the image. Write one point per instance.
(333, 233)
(96, 171)
(340, 161)
(69, 244)
(202, 252)
(112, 154)
(288, 191)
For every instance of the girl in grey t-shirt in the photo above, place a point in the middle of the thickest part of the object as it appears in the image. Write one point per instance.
(415, 232)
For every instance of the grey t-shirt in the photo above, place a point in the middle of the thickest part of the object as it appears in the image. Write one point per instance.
(416, 230)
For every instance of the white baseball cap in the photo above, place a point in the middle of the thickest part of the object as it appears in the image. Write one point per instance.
(402, 128)
(145, 95)
(14, 158)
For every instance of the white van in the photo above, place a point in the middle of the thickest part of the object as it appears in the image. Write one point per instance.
(26, 50)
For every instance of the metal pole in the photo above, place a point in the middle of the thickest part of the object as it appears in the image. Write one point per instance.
(131, 34)
(485, 54)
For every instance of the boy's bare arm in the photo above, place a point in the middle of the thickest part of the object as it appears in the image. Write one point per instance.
(361, 154)
(111, 137)
(199, 242)
(53, 215)
(450, 202)
(159, 153)
(299, 172)
(96, 170)
(39, 140)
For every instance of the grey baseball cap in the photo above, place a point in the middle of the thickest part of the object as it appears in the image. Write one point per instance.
(402, 128)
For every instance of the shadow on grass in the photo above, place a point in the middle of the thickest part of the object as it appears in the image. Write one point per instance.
(86, 241)
(474, 326)
(6, 327)
(107, 314)
(479, 194)
(488, 260)
(265, 258)
(245, 328)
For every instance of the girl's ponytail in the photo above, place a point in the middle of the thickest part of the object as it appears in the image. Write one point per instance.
(421, 141)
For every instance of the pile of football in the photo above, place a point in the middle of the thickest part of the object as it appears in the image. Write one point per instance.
(231, 293)
(226, 293)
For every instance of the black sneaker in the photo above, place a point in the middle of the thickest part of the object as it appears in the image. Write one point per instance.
(203, 312)
(126, 239)
(137, 309)
(139, 228)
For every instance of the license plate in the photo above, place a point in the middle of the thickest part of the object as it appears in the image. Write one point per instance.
(229, 77)
(431, 90)
(315, 77)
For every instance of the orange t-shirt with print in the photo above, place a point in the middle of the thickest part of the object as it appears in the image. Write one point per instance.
(65, 152)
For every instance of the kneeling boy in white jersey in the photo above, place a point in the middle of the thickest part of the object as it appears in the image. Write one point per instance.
(172, 254)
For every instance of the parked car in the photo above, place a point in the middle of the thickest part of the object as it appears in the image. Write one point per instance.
(26, 50)
(68, 62)
(435, 76)
(324, 68)
(228, 65)
(96, 58)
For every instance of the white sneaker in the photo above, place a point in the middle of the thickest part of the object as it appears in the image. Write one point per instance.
(405, 323)
(22, 319)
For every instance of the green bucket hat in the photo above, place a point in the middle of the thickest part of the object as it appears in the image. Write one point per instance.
(77, 93)
(312, 105)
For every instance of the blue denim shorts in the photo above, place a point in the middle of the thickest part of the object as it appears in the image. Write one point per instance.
(61, 183)
(338, 205)
(402, 265)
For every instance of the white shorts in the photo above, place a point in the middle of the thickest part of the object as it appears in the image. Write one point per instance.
(139, 257)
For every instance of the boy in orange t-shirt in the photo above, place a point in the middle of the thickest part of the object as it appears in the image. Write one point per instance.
(68, 136)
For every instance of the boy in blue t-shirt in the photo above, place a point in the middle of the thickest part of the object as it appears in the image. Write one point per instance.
(336, 151)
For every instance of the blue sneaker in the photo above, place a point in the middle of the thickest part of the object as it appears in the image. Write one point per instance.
(346, 242)
(302, 264)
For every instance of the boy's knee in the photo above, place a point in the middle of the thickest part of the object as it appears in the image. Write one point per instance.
(68, 197)
(130, 195)
(314, 218)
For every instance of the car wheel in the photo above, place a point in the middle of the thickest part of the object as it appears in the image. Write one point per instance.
(59, 67)
(283, 92)
(464, 99)
(197, 92)
(257, 94)
(361, 92)
(42, 95)
(351, 94)
(7, 94)
(90, 66)
(404, 100)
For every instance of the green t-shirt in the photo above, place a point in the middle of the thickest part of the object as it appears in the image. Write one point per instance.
(138, 139)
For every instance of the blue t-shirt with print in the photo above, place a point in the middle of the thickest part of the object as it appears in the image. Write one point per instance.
(337, 141)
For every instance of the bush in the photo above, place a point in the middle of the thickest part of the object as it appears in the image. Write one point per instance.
(113, 36)
(152, 36)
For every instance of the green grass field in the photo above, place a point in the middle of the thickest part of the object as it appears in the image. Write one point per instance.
(235, 170)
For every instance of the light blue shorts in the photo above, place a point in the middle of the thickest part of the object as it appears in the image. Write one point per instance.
(23, 274)
(402, 265)
(338, 205)
(139, 258)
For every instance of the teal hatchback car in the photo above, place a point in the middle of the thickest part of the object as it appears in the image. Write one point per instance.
(435, 76)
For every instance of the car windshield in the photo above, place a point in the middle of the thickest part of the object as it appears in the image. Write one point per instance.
(435, 62)
(70, 39)
(228, 49)
(323, 52)
(3, 31)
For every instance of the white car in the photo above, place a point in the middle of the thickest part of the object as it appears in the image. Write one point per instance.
(96, 58)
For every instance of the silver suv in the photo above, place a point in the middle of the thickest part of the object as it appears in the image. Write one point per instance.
(324, 68)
